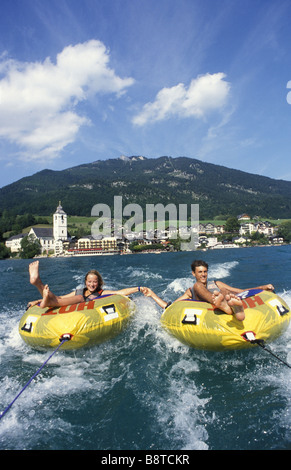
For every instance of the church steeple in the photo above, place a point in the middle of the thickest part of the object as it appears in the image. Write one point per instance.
(60, 224)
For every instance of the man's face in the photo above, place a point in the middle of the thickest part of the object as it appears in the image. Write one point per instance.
(200, 274)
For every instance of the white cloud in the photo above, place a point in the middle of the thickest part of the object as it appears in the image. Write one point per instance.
(205, 94)
(38, 100)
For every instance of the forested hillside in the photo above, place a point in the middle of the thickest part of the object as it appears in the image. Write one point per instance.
(217, 189)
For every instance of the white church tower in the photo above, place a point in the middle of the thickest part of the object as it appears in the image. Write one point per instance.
(60, 228)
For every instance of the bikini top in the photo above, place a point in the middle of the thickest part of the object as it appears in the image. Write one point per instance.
(82, 290)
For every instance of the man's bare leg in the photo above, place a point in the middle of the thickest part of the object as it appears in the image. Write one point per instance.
(34, 276)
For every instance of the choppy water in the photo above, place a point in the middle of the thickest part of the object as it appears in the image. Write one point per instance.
(144, 389)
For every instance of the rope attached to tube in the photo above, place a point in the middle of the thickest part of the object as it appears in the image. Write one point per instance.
(63, 339)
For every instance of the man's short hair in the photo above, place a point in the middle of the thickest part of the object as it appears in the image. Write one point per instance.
(198, 262)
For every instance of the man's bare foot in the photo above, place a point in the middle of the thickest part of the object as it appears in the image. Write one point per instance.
(219, 301)
(34, 272)
(46, 297)
(236, 306)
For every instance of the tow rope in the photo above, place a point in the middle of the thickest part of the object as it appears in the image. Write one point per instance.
(63, 339)
(261, 343)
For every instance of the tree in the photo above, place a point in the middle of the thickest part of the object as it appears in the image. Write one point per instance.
(232, 225)
(259, 238)
(30, 247)
(4, 251)
(284, 230)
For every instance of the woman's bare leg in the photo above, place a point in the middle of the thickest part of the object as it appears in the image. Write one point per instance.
(51, 300)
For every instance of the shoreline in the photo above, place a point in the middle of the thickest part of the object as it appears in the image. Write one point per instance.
(157, 252)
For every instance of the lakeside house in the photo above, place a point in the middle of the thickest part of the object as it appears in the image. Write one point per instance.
(14, 242)
(243, 217)
(262, 227)
(210, 229)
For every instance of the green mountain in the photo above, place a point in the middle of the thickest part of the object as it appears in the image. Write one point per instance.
(217, 189)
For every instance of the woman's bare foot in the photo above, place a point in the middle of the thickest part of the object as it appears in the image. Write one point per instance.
(46, 300)
(34, 272)
(34, 276)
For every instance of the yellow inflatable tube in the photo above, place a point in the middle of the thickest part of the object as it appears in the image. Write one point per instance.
(84, 324)
(200, 325)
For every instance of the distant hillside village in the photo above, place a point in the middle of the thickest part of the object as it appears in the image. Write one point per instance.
(56, 241)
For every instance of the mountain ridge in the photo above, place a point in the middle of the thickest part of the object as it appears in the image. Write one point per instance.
(138, 179)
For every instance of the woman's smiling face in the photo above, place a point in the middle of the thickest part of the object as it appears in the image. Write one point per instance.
(92, 282)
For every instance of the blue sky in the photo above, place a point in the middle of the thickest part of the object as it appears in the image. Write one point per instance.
(86, 80)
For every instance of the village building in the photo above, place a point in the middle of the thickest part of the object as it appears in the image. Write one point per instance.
(208, 242)
(243, 217)
(240, 240)
(14, 242)
(262, 227)
(277, 240)
(210, 229)
(91, 246)
(44, 236)
(105, 244)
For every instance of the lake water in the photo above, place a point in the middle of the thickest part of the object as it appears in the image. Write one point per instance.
(144, 390)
